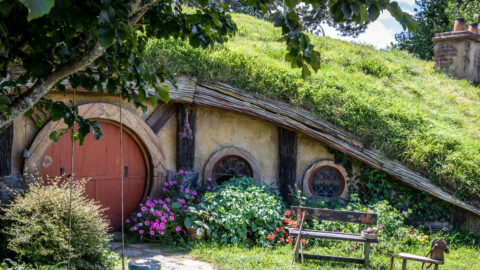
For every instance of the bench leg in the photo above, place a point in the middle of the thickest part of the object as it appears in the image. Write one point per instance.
(366, 254)
(404, 265)
(436, 267)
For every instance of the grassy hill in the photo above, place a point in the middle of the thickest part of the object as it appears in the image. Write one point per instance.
(395, 102)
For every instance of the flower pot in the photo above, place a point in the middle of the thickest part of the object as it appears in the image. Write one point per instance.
(192, 234)
(473, 27)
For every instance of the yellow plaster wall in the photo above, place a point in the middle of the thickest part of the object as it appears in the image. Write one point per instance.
(216, 129)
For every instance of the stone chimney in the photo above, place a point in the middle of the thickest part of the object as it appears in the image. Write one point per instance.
(458, 53)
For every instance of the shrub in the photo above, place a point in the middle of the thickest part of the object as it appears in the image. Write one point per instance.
(37, 226)
(162, 218)
(241, 211)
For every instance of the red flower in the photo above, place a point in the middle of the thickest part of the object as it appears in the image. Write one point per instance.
(287, 213)
(285, 234)
(282, 239)
(289, 239)
(294, 224)
(304, 241)
(286, 220)
(270, 237)
(279, 229)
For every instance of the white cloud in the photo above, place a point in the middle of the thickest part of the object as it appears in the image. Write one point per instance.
(377, 33)
(408, 2)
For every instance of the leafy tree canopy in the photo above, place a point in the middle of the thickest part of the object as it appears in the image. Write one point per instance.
(101, 44)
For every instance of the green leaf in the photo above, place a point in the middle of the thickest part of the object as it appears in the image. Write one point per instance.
(57, 134)
(37, 8)
(188, 222)
(373, 12)
(4, 99)
(106, 36)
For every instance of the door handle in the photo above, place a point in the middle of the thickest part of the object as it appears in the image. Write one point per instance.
(62, 172)
(126, 172)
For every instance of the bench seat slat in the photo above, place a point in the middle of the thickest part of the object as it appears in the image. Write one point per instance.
(333, 258)
(332, 235)
(336, 215)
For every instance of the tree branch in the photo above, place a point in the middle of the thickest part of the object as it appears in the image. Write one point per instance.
(44, 84)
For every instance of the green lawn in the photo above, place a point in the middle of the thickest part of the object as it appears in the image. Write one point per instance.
(233, 257)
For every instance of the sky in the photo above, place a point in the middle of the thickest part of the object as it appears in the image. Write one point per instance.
(381, 32)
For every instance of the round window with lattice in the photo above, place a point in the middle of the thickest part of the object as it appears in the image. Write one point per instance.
(230, 166)
(326, 181)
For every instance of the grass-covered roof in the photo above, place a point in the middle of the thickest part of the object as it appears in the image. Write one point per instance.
(394, 102)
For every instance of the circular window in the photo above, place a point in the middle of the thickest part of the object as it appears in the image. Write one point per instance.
(326, 182)
(229, 162)
(230, 166)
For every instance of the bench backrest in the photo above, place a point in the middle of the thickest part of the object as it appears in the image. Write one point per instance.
(335, 215)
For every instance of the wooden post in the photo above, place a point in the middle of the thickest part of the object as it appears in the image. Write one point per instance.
(287, 165)
(404, 264)
(6, 141)
(299, 238)
(366, 254)
(160, 116)
(185, 137)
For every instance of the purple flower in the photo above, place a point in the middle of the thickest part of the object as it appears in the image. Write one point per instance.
(135, 219)
(166, 184)
(182, 182)
(160, 202)
(147, 223)
(381, 225)
(178, 229)
(152, 232)
(140, 231)
(181, 186)
(185, 210)
(162, 233)
(139, 215)
(155, 201)
(165, 206)
(209, 179)
(165, 215)
(194, 193)
(172, 218)
(164, 189)
(175, 182)
(148, 197)
(127, 221)
(163, 219)
(144, 209)
(157, 221)
(187, 190)
(162, 226)
(208, 188)
(353, 248)
(168, 200)
(180, 171)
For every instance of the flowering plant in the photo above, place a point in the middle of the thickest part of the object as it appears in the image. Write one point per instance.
(163, 217)
(280, 235)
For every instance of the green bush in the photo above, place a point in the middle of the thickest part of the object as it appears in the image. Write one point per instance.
(37, 227)
(241, 211)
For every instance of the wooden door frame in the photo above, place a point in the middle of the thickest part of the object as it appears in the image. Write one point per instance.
(106, 112)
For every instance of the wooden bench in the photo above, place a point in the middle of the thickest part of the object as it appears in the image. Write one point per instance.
(307, 213)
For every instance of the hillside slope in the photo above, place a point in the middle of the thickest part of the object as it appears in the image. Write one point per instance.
(393, 101)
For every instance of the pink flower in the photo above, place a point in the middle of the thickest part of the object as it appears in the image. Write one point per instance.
(152, 232)
(134, 219)
(140, 231)
(180, 171)
(165, 206)
(381, 225)
(187, 190)
(166, 184)
(165, 215)
(157, 221)
(168, 200)
(171, 218)
(127, 221)
(164, 189)
(194, 193)
(164, 219)
(147, 223)
(162, 233)
(178, 229)
(144, 209)
(155, 201)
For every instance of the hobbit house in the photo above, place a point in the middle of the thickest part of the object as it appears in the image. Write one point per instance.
(260, 119)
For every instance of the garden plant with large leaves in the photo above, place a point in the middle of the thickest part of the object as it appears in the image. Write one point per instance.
(50, 45)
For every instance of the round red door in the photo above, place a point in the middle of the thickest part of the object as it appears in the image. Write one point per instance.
(99, 160)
